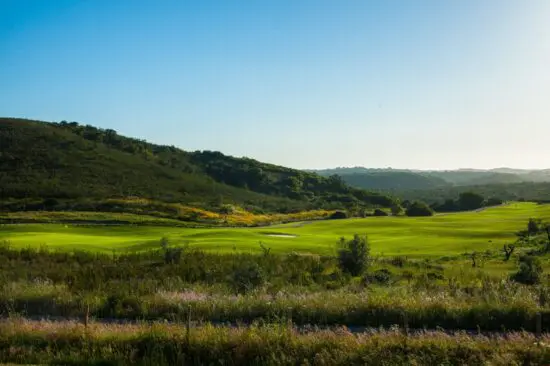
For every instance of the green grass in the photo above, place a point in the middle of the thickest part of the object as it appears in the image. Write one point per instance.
(436, 236)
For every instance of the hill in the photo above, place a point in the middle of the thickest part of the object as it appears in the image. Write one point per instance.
(524, 191)
(398, 180)
(393, 180)
(69, 161)
(475, 177)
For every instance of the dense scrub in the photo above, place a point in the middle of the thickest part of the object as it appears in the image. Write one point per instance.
(172, 282)
(148, 212)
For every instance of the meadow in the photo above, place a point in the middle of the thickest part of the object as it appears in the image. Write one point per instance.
(436, 236)
(150, 291)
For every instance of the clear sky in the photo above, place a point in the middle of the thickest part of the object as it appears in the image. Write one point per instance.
(302, 83)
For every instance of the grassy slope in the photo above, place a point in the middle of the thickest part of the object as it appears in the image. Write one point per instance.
(440, 235)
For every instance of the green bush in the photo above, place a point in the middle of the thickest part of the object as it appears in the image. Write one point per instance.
(247, 278)
(339, 215)
(379, 212)
(353, 255)
(381, 277)
(418, 208)
(530, 270)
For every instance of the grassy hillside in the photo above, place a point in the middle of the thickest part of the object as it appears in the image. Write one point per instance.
(73, 162)
(440, 235)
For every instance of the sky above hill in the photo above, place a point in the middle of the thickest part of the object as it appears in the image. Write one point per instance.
(303, 83)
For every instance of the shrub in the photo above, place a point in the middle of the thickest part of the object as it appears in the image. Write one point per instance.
(398, 261)
(396, 210)
(339, 215)
(407, 275)
(353, 255)
(172, 255)
(50, 203)
(247, 278)
(418, 208)
(493, 201)
(381, 276)
(379, 212)
(470, 201)
(530, 270)
(432, 276)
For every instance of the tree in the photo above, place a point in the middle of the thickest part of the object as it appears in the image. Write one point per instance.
(534, 226)
(494, 201)
(396, 210)
(339, 215)
(530, 270)
(508, 250)
(449, 205)
(470, 201)
(419, 208)
(353, 255)
(379, 212)
(473, 257)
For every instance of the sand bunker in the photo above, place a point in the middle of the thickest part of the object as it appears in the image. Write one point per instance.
(281, 235)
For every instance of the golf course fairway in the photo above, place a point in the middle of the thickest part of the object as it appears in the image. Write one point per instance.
(439, 235)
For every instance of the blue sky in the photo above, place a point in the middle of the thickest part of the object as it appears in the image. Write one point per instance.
(302, 83)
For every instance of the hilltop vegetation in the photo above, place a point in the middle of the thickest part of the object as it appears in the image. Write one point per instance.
(69, 161)
(526, 191)
(435, 187)
(393, 181)
(413, 179)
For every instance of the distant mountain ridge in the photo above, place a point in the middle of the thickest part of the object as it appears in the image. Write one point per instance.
(408, 179)
(437, 186)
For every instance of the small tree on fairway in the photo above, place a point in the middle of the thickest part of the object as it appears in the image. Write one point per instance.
(353, 255)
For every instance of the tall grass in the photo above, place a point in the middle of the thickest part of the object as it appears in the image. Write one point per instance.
(161, 344)
(502, 307)
(305, 289)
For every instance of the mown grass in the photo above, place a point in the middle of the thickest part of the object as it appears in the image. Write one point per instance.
(440, 235)
(161, 344)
